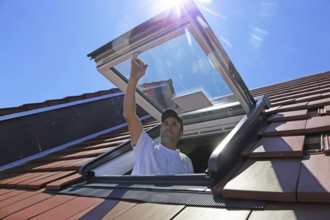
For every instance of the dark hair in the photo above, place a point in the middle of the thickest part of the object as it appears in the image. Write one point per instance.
(171, 113)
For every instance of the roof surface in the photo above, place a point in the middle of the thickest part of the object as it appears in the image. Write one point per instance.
(287, 167)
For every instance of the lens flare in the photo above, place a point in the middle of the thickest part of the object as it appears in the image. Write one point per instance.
(174, 3)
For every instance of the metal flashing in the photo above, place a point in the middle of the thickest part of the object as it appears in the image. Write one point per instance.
(54, 107)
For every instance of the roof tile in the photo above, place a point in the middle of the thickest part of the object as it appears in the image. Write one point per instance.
(267, 178)
(285, 128)
(10, 194)
(151, 211)
(17, 178)
(296, 106)
(284, 102)
(212, 213)
(326, 94)
(69, 208)
(309, 97)
(59, 184)
(314, 184)
(292, 211)
(108, 209)
(39, 177)
(290, 115)
(284, 146)
(30, 106)
(272, 180)
(38, 184)
(318, 103)
(36, 209)
(318, 124)
(22, 203)
(15, 198)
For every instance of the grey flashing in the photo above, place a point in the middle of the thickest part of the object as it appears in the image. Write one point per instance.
(58, 148)
(228, 152)
(54, 107)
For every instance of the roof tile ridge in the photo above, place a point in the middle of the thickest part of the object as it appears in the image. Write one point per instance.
(53, 102)
(288, 82)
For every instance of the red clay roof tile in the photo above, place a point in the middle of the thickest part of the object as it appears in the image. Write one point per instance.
(4, 191)
(309, 97)
(325, 94)
(285, 128)
(38, 184)
(284, 102)
(314, 184)
(271, 180)
(151, 211)
(21, 205)
(30, 106)
(318, 103)
(292, 211)
(212, 213)
(289, 116)
(10, 194)
(17, 178)
(296, 106)
(40, 207)
(14, 199)
(38, 177)
(63, 181)
(284, 146)
(108, 209)
(69, 208)
(318, 124)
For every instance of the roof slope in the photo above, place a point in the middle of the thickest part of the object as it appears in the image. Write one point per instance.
(287, 167)
(53, 102)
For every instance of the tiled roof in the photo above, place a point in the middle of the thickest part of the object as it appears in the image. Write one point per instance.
(53, 102)
(280, 168)
(61, 168)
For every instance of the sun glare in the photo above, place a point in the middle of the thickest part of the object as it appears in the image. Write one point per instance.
(179, 3)
(173, 3)
(205, 1)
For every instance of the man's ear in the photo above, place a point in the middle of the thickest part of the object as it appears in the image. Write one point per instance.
(181, 133)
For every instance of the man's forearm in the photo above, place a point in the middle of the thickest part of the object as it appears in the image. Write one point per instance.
(134, 124)
(129, 99)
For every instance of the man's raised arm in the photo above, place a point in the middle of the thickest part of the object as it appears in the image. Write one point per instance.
(138, 69)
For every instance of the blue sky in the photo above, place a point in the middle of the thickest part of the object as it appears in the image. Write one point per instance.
(44, 43)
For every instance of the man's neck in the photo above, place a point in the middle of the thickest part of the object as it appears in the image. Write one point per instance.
(169, 145)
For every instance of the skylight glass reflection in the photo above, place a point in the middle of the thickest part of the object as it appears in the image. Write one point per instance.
(175, 68)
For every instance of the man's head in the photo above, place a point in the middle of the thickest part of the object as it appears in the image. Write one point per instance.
(171, 113)
(171, 129)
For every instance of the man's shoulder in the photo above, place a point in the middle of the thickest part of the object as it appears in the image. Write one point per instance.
(184, 156)
(143, 140)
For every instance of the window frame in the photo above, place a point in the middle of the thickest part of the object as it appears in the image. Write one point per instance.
(159, 29)
(149, 34)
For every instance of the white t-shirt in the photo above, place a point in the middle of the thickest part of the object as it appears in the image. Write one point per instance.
(154, 159)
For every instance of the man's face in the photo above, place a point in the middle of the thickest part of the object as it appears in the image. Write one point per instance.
(171, 129)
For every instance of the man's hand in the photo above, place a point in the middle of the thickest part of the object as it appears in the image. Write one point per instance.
(138, 68)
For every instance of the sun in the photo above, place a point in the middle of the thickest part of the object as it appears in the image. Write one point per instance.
(173, 3)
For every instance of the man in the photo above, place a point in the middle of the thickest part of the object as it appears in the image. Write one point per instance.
(152, 158)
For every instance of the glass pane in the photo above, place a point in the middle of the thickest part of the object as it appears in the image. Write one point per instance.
(176, 68)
